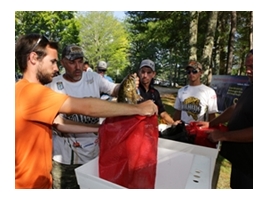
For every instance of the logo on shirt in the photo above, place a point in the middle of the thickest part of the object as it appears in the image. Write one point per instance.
(81, 118)
(90, 81)
(60, 85)
(192, 107)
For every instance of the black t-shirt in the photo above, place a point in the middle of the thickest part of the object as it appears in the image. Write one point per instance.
(153, 95)
(240, 154)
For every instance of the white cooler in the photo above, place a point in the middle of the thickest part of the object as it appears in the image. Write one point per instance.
(179, 166)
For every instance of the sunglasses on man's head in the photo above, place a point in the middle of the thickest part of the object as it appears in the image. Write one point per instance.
(44, 38)
(194, 71)
(76, 49)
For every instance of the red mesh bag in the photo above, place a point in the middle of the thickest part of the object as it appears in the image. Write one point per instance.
(128, 151)
(201, 134)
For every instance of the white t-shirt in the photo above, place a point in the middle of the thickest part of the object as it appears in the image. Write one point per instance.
(64, 150)
(194, 101)
(89, 69)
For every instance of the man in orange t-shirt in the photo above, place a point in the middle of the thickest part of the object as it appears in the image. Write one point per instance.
(37, 106)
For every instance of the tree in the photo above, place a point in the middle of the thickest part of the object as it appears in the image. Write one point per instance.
(231, 42)
(207, 50)
(58, 26)
(193, 31)
(250, 30)
(171, 38)
(103, 37)
(159, 36)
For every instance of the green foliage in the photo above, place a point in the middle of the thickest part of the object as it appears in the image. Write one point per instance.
(163, 36)
(58, 26)
(160, 36)
(103, 37)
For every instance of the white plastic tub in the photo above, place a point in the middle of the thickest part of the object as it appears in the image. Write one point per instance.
(179, 166)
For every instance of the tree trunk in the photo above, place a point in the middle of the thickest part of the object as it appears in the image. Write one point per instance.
(218, 47)
(207, 50)
(193, 31)
(251, 31)
(231, 42)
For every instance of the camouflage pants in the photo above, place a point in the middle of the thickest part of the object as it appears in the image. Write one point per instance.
(63, 176)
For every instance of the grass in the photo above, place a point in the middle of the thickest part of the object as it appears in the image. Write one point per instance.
(222, 166)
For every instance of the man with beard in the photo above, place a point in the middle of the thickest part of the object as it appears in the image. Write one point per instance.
(73, 150)
(36, 107)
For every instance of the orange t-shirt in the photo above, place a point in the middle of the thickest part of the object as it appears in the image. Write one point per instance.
(35, 109)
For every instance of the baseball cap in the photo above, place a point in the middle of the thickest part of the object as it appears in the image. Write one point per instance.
(72, 52)
(102, 65)
(147, 63)
(194, 64)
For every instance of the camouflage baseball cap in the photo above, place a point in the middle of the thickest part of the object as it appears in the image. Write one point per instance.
(72, 52)
(194, 64)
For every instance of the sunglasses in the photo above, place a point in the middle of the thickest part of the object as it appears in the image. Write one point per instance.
(101, 70)
(44, 38)
(194, 71)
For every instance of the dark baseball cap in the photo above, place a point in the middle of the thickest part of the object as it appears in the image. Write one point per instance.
(72, 52)
(147, 63)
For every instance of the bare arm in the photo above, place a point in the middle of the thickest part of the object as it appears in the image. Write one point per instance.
(95, 107)
(224, 117)
(211, 116)
(177, 115)
(69, 126)
(243, 135)
(168, 118)
(115, 91)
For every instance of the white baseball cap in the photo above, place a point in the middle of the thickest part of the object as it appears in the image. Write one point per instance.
(102, 65)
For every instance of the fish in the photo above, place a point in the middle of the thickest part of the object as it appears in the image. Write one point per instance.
(128, 92)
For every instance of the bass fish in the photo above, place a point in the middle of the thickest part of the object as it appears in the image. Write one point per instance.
(127, 91)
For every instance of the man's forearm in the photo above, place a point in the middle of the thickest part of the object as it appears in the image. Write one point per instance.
(69, 126)
(167, 117)
(243, 135)
(95, 107)
(115, 91)
(222, 118)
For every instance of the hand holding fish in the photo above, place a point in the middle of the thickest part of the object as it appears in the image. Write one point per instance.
(137, 80)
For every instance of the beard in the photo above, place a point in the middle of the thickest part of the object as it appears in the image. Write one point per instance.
(44, 78)
(71, 77)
